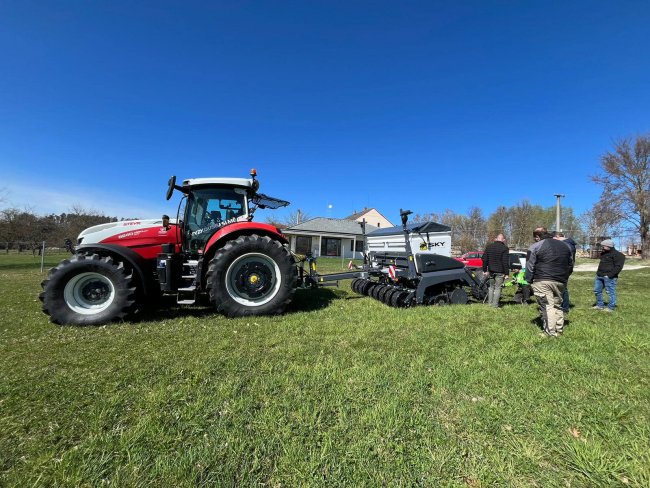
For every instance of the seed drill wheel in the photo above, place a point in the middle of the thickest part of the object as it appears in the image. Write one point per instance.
(366, 287)
(399, 299)
(375, 291)
(88, 289)
(355, 284)
(381, 296)
(388, 298)
(251, 275)
(458, 297)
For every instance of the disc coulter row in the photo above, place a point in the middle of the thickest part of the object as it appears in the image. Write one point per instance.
(390, 295)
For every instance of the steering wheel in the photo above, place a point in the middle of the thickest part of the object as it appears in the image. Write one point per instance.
(171, 185)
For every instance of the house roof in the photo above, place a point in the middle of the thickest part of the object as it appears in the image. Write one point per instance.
(358, 215)
(331, 226)
(413, 227)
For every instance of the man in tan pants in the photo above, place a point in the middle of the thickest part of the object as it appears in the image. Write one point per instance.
(548, 268)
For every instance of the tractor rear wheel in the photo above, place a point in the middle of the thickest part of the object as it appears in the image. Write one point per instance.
(251, 275)
(88, 289)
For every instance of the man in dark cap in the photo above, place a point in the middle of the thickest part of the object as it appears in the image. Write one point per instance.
(611, 264)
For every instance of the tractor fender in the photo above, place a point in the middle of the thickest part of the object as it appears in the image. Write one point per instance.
(143, 268)
(233, 231)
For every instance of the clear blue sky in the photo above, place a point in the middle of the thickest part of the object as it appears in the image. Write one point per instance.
(422, 105)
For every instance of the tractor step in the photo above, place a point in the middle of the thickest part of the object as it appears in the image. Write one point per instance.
(186, 295)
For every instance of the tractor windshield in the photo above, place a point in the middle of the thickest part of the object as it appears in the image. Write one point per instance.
(210, 209)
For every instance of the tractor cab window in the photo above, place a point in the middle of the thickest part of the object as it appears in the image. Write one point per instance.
(210, 209)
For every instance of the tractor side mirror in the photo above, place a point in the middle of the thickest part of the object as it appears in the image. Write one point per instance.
(171, 184)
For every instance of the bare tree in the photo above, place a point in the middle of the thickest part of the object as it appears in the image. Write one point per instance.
(625, 182)
(599, 222)
(468, 232)
(499, 222)
(297, 217)
(525, 217)
(427, 217)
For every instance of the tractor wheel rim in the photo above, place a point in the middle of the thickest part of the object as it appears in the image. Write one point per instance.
(253, 279)
(89, 293)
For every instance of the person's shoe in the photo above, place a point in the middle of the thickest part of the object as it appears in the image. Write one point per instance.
(598, 307)
(550, 333)
(608, 310)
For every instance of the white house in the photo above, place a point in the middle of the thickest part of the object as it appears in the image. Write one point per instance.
(328, 237)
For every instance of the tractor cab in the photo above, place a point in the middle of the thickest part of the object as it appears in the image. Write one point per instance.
(207, 210)
(212, 203)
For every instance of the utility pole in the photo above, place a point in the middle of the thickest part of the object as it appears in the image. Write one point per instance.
(557, 212)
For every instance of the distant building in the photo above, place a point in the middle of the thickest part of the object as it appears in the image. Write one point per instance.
(328, 237)
(372, 216)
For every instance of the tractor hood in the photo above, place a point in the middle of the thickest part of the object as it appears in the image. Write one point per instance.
(129, 233)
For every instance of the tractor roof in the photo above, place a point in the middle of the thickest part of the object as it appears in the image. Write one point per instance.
(241, 182)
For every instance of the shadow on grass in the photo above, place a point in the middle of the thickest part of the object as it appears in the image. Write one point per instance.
(167, 308)
(537, 321)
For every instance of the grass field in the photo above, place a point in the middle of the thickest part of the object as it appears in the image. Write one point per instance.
(341, 390)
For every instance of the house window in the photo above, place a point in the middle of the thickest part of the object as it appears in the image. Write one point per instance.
(303, 244)
(330, 247)
(358, 246)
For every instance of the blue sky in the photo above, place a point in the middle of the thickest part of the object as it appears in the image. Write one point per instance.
(422, 105)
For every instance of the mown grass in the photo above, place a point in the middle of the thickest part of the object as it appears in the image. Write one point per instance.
(341, 390)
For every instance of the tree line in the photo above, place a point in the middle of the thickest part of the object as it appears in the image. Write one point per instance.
(24, 230)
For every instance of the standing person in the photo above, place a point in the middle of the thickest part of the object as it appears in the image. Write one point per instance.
(548, 268)
(496, 266)
(611, 264)
(566, 304)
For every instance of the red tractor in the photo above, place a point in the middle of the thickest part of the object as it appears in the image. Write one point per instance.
(244, 267)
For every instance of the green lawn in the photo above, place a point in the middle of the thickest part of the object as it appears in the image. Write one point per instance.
(341, 390)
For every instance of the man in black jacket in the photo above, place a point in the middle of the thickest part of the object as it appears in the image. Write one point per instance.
(611, 264)
(548, 267)
(496, 266)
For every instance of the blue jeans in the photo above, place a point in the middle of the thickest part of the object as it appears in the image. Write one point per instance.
(566, 305)
(610, 287)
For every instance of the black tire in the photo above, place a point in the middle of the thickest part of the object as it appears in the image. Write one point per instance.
(88, 289)
(397, 299)
(458, 297)
(388, 298)
(251, 275)
(355, 283)
(381, 296)
(367, 287)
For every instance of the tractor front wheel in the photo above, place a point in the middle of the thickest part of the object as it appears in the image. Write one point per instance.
(88, 289)
(251, 275)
